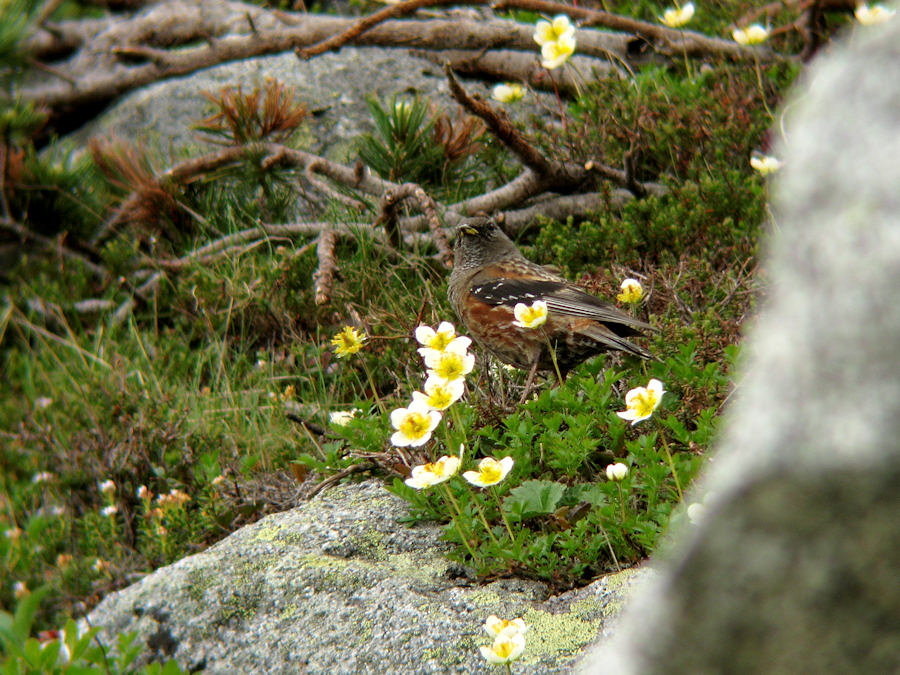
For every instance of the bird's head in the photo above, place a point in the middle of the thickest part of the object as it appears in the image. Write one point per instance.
(480, 241)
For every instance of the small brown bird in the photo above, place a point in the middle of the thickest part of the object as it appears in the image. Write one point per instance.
(490, 276)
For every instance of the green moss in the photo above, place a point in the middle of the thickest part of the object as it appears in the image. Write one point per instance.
(555, 634)
(198, 582)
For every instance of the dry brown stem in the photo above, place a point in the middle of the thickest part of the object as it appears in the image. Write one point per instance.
(324, 276)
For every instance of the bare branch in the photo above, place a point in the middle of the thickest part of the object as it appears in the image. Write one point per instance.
(324, 276)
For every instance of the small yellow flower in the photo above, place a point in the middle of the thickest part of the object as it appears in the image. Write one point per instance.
(413, 424)
(508, 93)
(616, 472)
(632, 291)
(675, 17)
(440, 394)
(426, 475)
(752, 35)
(640, 402)
(448, 365)
(531, 316)
(495, 625)
(871, 16)
(554, 54)
(551, 31)
(348, 341)
(289, 392)
(442, 339)
(765, 164)
(490, 471)
(507, 647)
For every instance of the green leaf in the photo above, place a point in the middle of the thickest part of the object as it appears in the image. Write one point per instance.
(534, 498)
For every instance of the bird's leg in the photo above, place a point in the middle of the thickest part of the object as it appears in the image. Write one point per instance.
(529, 381)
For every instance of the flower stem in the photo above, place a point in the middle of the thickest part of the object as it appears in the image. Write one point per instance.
(562, 114)
(502, 514)
(672, 466)
(486, 525)
(759, 82)
(621, 499)
(378, 401)
(687, 64)
(553, 358)
(456, 520)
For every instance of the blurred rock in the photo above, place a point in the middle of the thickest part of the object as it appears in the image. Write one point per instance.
(793, 566)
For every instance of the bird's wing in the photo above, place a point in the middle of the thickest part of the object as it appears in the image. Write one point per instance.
(560, 297)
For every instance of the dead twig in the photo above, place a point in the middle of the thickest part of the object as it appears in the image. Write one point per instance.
(324, 275)
(368, 22)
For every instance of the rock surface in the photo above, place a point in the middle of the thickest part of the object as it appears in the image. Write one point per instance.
(333, 87)
(794, 564)
(340, 586)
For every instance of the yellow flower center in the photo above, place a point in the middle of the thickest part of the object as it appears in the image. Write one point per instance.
(441, 340)
(644, 403)
(450, 367)
(415, 425)
(490, 471)
(439, 398)
(503, 648)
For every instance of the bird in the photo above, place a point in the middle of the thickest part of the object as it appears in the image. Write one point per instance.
(490, 276)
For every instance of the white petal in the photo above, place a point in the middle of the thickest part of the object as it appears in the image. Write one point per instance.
(424, 335)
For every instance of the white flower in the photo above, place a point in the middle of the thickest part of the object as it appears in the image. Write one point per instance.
(414, 424)
(765, 164)
(42, 402)
(426, 475)
(632, 291)
(42, 477)
(341, 418)
(640, 402)
(530, 316)
(617, 471)
(508, 93)
(507, 647)
(144, 494)
(554, 54)
(870, 16)
(20, 590)
(695, 512)
(110, 511)
(752, 35)
(495, 625)
(13, 533)
(547, 31)
(442, 339)
(490, 471)
(440, 394)
(675, 17)
(108, 487)
(448, 365)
